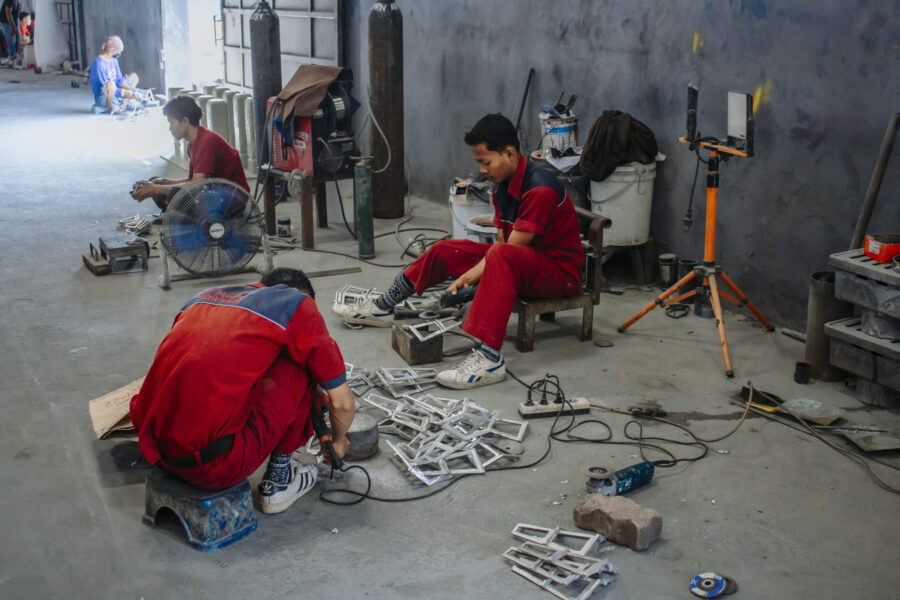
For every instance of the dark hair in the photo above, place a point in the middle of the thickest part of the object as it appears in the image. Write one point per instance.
(495, 131)
(294, 278)
(183, 107)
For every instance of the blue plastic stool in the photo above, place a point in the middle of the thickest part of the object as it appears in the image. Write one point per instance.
(212, 519)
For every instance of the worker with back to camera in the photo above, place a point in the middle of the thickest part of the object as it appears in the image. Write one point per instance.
(538, 254)
(209, 154)
(234, 382)
(111, 88)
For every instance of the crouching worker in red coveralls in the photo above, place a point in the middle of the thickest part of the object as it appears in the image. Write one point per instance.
(538, 254)
(233, 383)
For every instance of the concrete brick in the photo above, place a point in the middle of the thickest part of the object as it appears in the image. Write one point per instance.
(621, 520)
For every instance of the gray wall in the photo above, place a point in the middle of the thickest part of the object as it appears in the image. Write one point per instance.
(833, 66)
(144, 28)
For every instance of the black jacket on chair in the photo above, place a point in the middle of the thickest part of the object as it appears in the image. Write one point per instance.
(616, 138)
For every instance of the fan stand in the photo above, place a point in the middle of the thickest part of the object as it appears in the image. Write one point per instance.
(166, 279)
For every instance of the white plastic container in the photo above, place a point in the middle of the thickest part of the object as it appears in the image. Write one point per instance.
(462, 208)
(625, 198)
(480, 228)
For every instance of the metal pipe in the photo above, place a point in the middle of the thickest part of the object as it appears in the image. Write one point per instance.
(250, 128)
(265, 59)
(386, 101)
(865, 213)
(822, 307)
(524, 96)
(362, 196)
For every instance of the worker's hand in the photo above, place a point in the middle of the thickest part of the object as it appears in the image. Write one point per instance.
(340, 448)
(463, 281)
(145, 190)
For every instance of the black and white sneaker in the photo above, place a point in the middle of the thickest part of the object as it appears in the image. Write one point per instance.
(278, 497)
(363, 312)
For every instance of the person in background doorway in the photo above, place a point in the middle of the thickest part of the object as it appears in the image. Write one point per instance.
(208, 153)
(9, 27)
(109, 85)
(26, 29)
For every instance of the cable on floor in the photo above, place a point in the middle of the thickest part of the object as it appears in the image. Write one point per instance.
(854, 456)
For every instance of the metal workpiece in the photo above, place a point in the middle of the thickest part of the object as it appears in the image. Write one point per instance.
(357, 377)
(545, 558)
(135, 225)
(440, 438)
(411, 380)
(432, 329)
(350, 294)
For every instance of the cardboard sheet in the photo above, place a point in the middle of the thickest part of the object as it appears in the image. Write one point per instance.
(110, 412)
(310, 82)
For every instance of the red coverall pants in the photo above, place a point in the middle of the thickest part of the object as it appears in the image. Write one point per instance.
(278, 421)
(509, 271)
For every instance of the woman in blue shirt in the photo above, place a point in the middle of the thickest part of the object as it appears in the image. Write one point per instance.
(107, 82)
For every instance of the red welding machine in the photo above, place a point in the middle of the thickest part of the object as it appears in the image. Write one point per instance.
(321, 144)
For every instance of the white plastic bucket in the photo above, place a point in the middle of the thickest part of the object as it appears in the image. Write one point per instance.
(559, 132)
(625, 198)
(462, 208)
(480, 228)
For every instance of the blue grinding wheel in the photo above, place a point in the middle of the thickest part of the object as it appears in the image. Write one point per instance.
(712, 585)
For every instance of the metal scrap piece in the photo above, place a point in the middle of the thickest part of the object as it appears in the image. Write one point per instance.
(441, 327)
(590, 584)
(350, 294)
(553, 537)
(545, 559)
(518, 436)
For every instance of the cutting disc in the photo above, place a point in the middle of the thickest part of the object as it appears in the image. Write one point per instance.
(712, 585)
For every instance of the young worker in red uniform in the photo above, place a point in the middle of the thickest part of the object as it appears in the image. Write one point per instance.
(538, 254)
(233, 383)
(209, 154)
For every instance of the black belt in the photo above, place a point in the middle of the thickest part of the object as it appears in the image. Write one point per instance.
(206, 455)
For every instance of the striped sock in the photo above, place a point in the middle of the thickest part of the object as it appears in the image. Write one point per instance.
(399, 291)
(491, 353)
(279, 468)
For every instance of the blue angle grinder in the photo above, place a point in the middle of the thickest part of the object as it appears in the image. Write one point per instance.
(603, 480)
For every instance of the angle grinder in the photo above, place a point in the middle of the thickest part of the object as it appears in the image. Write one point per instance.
(460, 296)
(603, 480)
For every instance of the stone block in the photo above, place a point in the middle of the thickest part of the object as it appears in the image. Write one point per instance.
(621, 520)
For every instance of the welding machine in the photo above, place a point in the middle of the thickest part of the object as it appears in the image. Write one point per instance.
(321, 144)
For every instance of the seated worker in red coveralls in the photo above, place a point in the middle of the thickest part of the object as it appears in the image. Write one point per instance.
(209, 154)
(538, 254)
(233, 383)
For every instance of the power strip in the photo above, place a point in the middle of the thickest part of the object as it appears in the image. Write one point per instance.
(579, 406)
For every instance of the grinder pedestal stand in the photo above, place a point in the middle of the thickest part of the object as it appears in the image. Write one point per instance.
(709, 271)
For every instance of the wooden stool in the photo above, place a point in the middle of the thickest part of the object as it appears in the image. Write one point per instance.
(212, 519)
(529, 308)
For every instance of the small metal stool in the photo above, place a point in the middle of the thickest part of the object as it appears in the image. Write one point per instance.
(212, 519)
(529, 308)
(125, 248)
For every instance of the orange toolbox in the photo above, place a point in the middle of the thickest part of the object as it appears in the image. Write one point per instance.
(882, 247)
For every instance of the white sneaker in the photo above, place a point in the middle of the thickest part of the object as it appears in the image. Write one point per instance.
(363, 312)
(277, 497)
(475, 371)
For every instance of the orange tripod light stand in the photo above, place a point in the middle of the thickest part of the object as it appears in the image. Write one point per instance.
(736, 145)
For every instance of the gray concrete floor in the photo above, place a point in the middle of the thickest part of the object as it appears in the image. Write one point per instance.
(791, 517)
